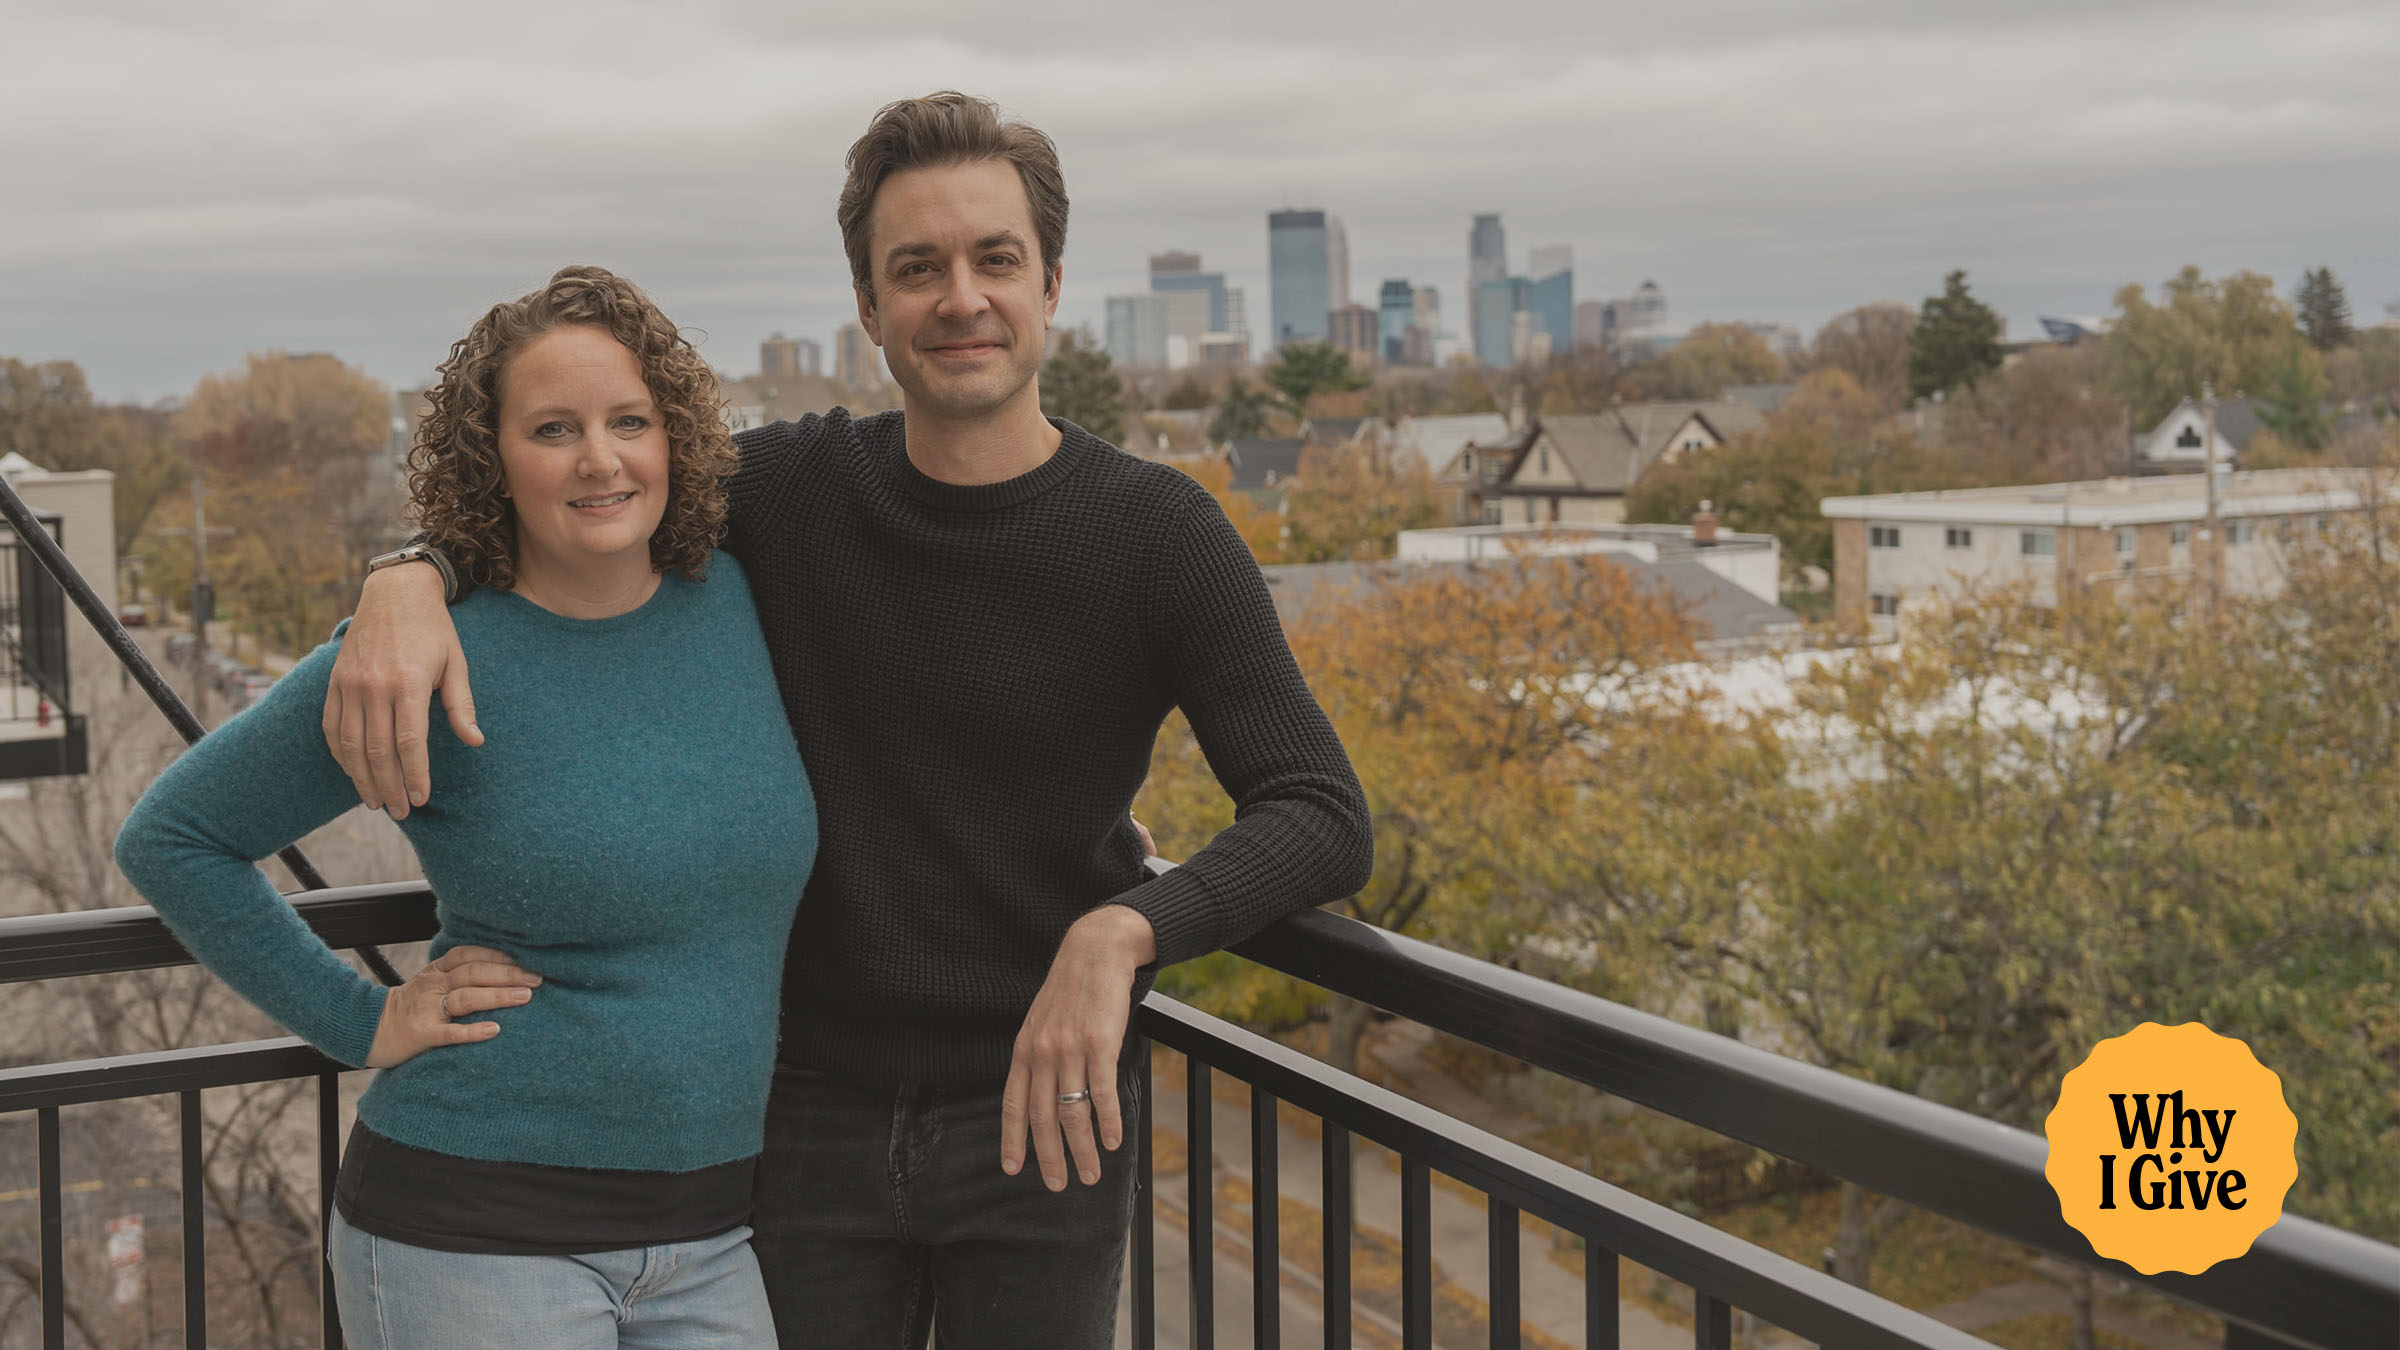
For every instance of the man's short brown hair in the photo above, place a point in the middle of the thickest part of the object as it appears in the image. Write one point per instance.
(942, 129)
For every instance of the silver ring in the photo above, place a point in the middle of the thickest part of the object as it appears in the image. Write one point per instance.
(445, 1005)
(1073, 1098)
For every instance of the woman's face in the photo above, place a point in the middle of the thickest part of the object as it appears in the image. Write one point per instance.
(583, 453)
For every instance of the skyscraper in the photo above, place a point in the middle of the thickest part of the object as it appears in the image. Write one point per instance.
(1552, 299)
(1497, 303)
(1396, 310)
(1337, 264)
(1300, 288)
(811, 356)
(1137, 331)
(1487, 252)
(1171, 272)
(778, 358)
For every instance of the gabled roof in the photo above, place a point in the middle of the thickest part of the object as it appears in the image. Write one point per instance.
(2237, 422)
(1437, 440)
(1607, 451)
(1334, 431)
(1252, 458)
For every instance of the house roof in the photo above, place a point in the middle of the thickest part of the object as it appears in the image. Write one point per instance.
(1607, 451)
(1252, 458)
(1437, 440)
(1331, 430)
(1723, 611)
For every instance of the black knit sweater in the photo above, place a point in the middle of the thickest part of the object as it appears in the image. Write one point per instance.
(976, 676)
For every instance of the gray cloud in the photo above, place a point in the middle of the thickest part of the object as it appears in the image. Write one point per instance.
(186, 183)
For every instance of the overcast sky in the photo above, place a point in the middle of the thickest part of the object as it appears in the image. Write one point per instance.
(182, 183)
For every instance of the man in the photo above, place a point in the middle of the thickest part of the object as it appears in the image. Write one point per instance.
(979, 619)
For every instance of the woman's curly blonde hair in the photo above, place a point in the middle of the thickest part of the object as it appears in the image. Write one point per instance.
(455, 484)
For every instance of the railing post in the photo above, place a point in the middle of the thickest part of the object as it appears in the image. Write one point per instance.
(195, 1225)
(329, 1165)
(1712, 1323)
(1336, 1181)
(1600, 1312)
(1200, 1181)
(1500, 1274)
(54, 1230)
(1416, 1255)
(1266, 1232)
(1145, 1219)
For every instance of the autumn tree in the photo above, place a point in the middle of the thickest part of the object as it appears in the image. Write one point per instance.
(1352, 504)
(1956, 342)
(2044, 419)
(2232, 334)
(1303, 370)
(1080, 383)
(294, 454)
(1259, 527)
(2323, 310)
(1709, 358)
(48, 415)
(1871, 345)
(1831, 438)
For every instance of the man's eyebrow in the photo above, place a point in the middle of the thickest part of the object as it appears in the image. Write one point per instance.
(999, 239)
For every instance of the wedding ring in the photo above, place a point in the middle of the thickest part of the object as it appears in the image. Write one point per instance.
(1071, 1098)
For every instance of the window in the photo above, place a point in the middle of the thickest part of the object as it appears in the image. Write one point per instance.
(2189, 439)
(2038, 543)
(1883, 536)
(2180, 536)
(1695, 443)
(2242, 532)
(1529, 510)
(1491, 513)
(2125, 543)
(1883, 604)
(1958, 538)
(1466, 464)
(1545, 461)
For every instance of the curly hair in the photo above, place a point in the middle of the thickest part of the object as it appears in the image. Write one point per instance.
(455, 482)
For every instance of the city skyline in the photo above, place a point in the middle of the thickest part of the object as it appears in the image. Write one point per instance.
(204, 186)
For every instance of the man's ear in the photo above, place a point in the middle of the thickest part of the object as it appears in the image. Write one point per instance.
(1057, 278)
(866, 312)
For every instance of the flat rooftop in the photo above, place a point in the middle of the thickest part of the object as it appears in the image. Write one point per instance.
(2107, 502)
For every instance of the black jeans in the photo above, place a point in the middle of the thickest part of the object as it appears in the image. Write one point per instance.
(883, 1213)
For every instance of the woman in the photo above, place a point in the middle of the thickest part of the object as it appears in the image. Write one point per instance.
(559, 1149)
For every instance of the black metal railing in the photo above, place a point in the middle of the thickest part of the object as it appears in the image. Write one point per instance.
(2301, 1285)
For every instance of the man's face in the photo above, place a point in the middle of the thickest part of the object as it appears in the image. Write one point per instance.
(959, 304)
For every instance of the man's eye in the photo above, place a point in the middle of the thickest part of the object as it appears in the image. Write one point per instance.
(1001, 260)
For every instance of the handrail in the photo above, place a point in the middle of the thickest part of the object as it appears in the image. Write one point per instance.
(2304, 1282)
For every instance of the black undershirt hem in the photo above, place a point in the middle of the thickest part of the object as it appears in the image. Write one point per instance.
(451, 1204)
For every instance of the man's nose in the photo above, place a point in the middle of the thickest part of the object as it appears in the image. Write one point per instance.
(962, 296)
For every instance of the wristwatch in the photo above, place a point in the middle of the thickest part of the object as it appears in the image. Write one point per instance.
(420, 551)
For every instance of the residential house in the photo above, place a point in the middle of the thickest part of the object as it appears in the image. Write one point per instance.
(2179, 443)
(1264, 466)
(1577, 467)
(1435, 441)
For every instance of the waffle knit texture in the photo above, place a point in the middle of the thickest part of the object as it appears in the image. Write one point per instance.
(636, 829)
(976, 675)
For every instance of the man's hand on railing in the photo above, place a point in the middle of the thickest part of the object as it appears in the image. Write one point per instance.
(1062, 1080)
(418, 1016)
(401, 647)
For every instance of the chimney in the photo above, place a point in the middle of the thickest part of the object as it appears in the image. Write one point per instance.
(1516, 409)
(1704, 526)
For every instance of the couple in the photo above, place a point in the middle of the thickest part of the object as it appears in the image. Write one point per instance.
(790, 900)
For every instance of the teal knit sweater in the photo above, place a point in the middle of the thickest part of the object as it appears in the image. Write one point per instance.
(636, 830)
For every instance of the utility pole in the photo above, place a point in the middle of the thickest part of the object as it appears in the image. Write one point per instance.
(2213, 528)
(204, 599)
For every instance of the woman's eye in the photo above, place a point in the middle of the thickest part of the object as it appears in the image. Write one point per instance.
(550, 430)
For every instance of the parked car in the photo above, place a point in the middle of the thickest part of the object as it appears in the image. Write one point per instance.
(179, 649)
(134, 614)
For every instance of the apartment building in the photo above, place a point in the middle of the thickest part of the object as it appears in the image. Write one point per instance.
(2056, 538)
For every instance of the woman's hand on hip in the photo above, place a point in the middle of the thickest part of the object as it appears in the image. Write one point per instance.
(418, 1015)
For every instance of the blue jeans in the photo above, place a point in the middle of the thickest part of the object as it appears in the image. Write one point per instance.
(703, 1295)
(883, 1216)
